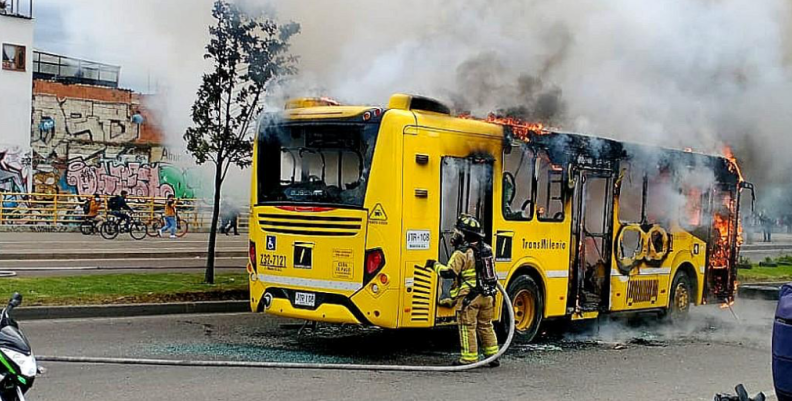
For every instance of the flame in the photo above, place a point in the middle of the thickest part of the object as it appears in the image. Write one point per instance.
(734, 166)
(727, 305)
(520, 128)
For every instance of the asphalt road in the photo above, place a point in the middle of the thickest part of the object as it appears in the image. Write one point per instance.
(49, 254)
(607, 360)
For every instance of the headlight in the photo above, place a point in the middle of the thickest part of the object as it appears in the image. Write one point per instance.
(27, 364)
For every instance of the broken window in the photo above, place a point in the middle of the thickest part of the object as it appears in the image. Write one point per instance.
(466, 189)
(550, 190)
(518, 173)
(631, 194)
(662, 198)
(13, 57)
(695, 186)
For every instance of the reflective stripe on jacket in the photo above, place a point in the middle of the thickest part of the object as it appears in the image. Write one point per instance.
(463, 267)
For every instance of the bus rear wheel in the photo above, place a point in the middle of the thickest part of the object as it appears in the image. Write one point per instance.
(680, 297)
(528, 307)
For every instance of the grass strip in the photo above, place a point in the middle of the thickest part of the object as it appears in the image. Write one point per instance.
(124, 288)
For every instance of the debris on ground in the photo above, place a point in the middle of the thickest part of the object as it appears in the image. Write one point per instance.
(742, 395)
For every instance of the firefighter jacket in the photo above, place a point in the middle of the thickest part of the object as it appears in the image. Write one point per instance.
(462, 267)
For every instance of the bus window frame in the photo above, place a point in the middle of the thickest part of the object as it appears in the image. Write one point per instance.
(644, 190)
(563, 171)
(531, 163)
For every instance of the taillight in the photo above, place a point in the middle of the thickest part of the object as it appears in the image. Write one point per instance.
(375, 261)
(252, 256)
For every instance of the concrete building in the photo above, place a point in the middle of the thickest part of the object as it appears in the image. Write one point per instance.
(16, 73)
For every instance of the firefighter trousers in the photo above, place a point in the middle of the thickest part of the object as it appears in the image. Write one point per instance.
(475, 323)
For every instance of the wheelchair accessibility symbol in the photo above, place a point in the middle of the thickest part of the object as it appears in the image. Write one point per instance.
(271, 243)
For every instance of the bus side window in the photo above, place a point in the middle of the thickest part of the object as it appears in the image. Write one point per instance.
(631, 195)
(549, 190)
(662, 197)
(518, 172)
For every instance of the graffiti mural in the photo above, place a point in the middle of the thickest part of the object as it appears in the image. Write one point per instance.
(88, 139)
(109, 178)
(15, 166)
(60, 121)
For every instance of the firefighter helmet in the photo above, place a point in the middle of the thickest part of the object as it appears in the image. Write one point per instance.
(469, 226)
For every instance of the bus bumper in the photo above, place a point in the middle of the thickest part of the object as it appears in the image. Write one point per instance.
(329, 313)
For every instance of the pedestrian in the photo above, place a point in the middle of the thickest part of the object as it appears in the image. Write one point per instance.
(473, 302)
(170, 217)
(230, 218)
(767, 226)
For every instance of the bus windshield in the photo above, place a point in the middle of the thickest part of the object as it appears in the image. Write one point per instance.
(315, 163)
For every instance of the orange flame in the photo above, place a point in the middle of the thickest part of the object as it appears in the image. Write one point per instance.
(727, 305)
(520, 128)
(734, 166)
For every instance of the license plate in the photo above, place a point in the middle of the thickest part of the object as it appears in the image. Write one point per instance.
(304, 299)
(272, 261)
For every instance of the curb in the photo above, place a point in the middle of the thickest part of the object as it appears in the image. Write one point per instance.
(130, 310)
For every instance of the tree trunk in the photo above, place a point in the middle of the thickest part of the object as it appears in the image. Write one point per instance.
(210, 260)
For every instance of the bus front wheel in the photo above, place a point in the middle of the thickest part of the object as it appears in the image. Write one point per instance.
(528, 306)
(680, 297)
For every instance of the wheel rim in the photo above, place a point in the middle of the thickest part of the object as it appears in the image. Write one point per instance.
(681, 297)
(523, 303)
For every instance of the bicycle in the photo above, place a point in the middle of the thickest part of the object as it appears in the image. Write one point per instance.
(112, 227)
(91, 226)
(182, 227)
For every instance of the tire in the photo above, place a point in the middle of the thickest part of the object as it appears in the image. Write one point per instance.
(153, 226)
(109, 230)
(679, 298)
(138, 230)
(528, 305)
(87, 227)
(182, 227)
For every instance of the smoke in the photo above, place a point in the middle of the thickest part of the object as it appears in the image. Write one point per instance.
(685, 73)
(680, 73)
(750, 325)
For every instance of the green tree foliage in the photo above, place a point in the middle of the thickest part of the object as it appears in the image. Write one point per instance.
(249, 55)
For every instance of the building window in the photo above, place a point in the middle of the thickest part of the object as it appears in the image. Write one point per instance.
(13, 57)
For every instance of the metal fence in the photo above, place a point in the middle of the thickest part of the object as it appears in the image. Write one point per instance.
(61, 212)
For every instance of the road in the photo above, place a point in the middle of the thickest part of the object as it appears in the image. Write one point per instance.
(610, 360)
(47, 254)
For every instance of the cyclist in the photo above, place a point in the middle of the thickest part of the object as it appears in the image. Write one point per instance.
(91, 207)
(170, 217)
(118, 207)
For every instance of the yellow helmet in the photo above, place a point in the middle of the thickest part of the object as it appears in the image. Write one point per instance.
(468, 225)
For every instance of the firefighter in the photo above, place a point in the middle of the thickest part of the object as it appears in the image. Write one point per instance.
(474, 302)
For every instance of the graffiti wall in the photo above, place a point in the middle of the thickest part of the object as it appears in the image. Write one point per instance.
(87, 139)
(15, 168)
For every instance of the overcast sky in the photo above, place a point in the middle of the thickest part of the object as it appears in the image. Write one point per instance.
(52, 35)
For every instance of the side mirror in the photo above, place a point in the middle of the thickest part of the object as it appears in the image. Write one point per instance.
(16, 300)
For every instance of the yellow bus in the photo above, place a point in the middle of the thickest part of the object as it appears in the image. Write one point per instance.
(348, 203)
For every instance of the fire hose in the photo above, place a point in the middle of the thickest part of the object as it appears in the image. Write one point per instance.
(289, 365)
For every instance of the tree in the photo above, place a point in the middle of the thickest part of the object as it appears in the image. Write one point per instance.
(249, 54)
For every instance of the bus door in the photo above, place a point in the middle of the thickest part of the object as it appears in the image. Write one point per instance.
(466, 187)
(592, 228)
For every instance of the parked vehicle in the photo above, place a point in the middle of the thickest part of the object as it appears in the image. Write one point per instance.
(18, 367)
(782, 345)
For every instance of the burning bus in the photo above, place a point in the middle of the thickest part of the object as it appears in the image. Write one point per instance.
(348, 204)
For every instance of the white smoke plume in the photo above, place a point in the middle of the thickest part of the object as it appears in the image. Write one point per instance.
(679, 73)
